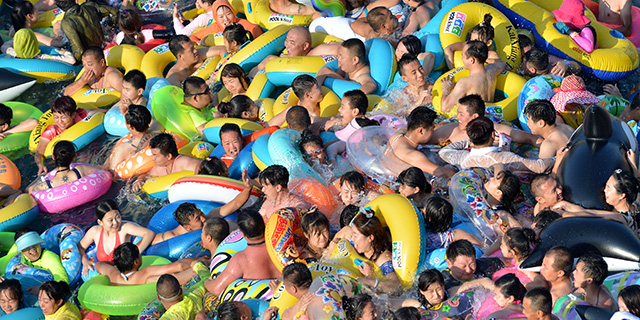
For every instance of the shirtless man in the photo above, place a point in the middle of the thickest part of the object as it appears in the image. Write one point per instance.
(418, 90)
(188, 59)
(471, 107)
(538, 305)
(547, 191)
(541, 119)
(616, 12)
(309, 93)
(590, 272)
(402, 146)
(164, 153)
(189, 218)
(556, 269)
(96, 73)
(137, 119)
(481, 79)
(297, 43)
(243, 264)
(379, 23)
(353, 66)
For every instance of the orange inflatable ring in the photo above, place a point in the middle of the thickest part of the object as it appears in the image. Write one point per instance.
(9, 173)
(141, 161)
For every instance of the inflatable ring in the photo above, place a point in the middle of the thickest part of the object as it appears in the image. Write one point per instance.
(328, 106)
(209, 188)
(16, 268)
(267, 19)
(462, 18)
(537, 88)
(9, 173)
(80, 134)
(141, 162)
(149, 44)
(158, 187)
(96, 294)
(75, 193)
(197, 149)
(125, 56)
(42, 70)
(508, 85)
(330, 289)
(63, 240)
(115, 123)
(20, 213)
(13, 84)
(158, 61)
(615, 59)
(34, 313)
(616, 282)
(281, 229)
(260, 152)
(17, 141)
(232, 244)
(211, 131)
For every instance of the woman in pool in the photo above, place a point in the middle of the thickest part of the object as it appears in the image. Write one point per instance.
(430, 289)
(414, 186)
(63, 155)
(359, 307)
(52, 299)
(315, 227)
(11, 296)
(109, 234)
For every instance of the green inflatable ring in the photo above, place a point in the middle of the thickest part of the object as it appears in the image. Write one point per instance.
(6, 245)
(168, 109)
(96, 294)
(17, 141)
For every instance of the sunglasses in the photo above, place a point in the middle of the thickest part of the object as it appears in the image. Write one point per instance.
(206, 91)
(315, 153)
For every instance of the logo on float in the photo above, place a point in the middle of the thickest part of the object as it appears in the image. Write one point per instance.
(274, 17)
(455, 23)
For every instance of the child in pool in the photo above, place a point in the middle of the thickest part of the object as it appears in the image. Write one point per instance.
(133, 84)
(573, 22)
(315, 227)
(430, 290)
(235, 80)
(109, 234)
(508, 294)
(131, 31)
(348, 213)
(6, 114)
(235, 37)
(352, 189)
(482, 32)
(414, 186)
(438, 215)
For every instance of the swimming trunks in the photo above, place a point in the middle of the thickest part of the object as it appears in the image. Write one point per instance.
(100, 253)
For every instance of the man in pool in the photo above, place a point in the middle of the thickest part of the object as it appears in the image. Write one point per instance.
(179, 306)
(481, 79)
(275, 182)
(309, 93)
(188, 216)
(588, 276)
(97, 74)
(243, 264)
(188, 59)
(379, 23)
(537, 305)
(6, 114)
(403, 146)
(547, 191)
(353, 66)
(164, 153)
(297, 43)
(541, 119)
(197, 99)
(556, 270)
(137, 119)
(462, 266)
(418, 89)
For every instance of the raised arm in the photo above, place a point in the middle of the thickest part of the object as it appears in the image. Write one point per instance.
(136, 230)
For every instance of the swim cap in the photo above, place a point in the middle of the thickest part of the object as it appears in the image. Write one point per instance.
(25, 44)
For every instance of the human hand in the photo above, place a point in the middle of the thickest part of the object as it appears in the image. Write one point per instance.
(2, 136)
(612, 90)
(273, 285)
(270, 313)
(424, 97)
(87, 76)
(61, 51)
(633, 158)
(560, 68)
(365, 268)
(137, 185)
(41, 169)
(176, 14)
(562, 27)
(246, 180)
(86, 266)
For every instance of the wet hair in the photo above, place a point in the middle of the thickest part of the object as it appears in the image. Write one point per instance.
(65, 5)
(421, 117)
(473, 104)
(354, 4)
(6, 113)
(538, 59)
(105, 206)
(136, 78)
(275, 175)
(14, 287)
(138, 117)
(406, 313)
(354, 306)
(213, 166)
(176, 44)
(414, 178)
(185, 211)
(298, 118)
(594, 267)
(250, 223)
(405, 60)
(21, 231)
(412, 44)
(631, 297)
(356, 48)
(125, 256)
(357, 100)
(354, 178)
(168, 286)
(229, 310)
(233, 70)
(540, 298)
(217, 228)
(56, 290)
(480, 131)
(297, 274)
(438, 213)
(230, 127)
(236, 106)
(313, 222)
(510, 187)
(165, 143)
(484, 29)
(377, 17)
(427, 278)
(562, 259)
(347, 214)
(65, 105)
(63, 153)
(627, 184)
(130, 24)
(94, 51)
(366, 122)
(541, 110)
(510, 286)
(524, 41)
(372, 226)
(522, 240)
(544, 219)
(237, 33)
(309, 137)
(192, 85)
(303, 84)
(460, 247)
(19, 14)
(477, 50)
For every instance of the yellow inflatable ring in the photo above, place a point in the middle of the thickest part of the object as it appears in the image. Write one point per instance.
(81, 133)
(508, 83)
(51, 17)
(463, 17)
(158, 187)
(263, 16)
(158, 61)
(46, 119)
(21, 212)
(197, 149)
(124, 56)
